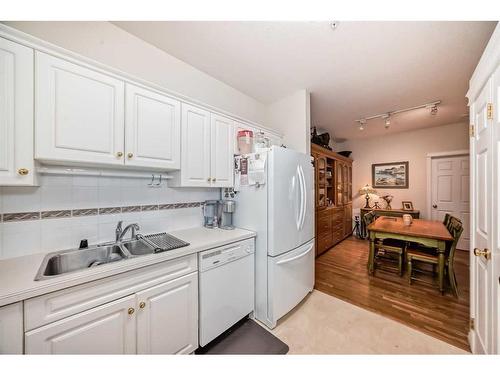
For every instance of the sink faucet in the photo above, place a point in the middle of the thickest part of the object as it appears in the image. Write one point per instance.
(120, 233)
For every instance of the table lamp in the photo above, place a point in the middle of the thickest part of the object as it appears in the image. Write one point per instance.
(367, 190)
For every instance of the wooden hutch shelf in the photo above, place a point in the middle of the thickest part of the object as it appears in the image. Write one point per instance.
(333, 185)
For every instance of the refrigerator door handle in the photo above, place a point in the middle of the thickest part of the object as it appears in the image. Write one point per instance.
(303, 205)
(298, 194)
(297, 256)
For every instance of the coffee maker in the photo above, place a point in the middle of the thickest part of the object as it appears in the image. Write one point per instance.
(228, 208)
(212, 210)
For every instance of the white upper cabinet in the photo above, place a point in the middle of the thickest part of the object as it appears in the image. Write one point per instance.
(16, 114)
(207, 149)
(195, 153)
(79, 113)
(221, 157)
(152, 129)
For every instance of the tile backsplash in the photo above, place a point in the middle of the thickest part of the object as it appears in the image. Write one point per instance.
(65, 209)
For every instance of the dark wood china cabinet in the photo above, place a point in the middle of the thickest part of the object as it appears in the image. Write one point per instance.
(333, 185)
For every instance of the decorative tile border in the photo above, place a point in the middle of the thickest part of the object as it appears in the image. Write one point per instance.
(79, 212)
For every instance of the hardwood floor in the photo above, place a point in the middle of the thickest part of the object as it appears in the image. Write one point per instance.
(341, 272)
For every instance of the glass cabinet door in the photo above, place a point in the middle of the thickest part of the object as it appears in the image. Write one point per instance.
(321, 193)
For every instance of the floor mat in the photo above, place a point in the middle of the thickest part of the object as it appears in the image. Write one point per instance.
(245, 337)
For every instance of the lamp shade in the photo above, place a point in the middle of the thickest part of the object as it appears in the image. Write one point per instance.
(367, 189)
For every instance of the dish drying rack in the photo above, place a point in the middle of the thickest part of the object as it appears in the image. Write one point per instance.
(160, 242)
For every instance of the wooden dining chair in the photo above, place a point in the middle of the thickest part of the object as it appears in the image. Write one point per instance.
(387, 249)
(425, 255)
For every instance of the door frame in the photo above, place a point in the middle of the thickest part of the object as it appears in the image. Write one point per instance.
(437, 155)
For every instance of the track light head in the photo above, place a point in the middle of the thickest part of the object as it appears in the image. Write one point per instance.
(387, 120)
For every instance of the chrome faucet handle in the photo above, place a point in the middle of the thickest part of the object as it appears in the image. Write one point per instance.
(118, 230)
(135, 227)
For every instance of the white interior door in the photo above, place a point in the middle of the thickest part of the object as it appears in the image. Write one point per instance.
(450, 192)
(152, 129)
(481, 267)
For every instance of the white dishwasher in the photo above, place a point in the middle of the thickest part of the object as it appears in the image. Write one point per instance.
(226, 287)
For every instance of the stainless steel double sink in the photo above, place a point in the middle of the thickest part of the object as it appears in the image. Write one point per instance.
(66, 261)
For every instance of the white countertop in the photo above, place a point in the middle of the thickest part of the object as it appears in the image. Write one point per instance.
(17, 275)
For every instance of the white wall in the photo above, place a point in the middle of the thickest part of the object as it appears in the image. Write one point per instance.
(406, 146)
(291, 117)
(108, 44)
(19, 238)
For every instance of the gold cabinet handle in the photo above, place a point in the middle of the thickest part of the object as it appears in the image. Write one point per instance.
(142, 305)
(486, 253)
(119, 154)
(130, 155)
(131, 310)
(23, 171)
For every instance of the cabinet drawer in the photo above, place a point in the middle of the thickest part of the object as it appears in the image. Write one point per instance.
(324, 224)
(50, 307)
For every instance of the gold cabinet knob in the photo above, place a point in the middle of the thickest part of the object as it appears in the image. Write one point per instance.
(131, 311)
(23, 171)
(214, 179)
(130, 155)
(486, 253)
(119, 154)
(209, 179)
(142, 305)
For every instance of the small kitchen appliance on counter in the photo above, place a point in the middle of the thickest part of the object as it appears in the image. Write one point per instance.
(212, 210)
(228, 208)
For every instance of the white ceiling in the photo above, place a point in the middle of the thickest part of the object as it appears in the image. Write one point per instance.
(359, 69)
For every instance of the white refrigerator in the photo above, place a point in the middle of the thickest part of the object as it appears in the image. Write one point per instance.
(281, 211)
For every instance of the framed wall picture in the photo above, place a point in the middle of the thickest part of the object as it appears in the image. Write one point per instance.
(407, 205)
(390, 175)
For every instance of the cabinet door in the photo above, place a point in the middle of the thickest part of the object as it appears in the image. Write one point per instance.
(167, 320)
(107, 329)
(221, 169)
(152, 129)
(195, 153)
(16, 114)
(79, 113)
(11, 329)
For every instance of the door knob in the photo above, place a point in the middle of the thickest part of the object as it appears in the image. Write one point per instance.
(214, 179)
(23, 171)
(130, 155)
(131, 311)
(142, 305)
(486, 253)
(434, 206)
(119, 154)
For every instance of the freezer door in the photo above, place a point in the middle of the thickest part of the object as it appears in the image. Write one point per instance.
(290, 277)
(290, 200)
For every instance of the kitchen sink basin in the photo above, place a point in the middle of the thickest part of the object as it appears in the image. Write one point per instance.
(66, 261)
(138, 247)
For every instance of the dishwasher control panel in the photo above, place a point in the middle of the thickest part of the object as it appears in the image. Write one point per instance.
(215, 257)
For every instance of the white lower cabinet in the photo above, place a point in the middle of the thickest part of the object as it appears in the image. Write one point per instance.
(167, 319)
(107, 329)
(158, 315)
(11, 329)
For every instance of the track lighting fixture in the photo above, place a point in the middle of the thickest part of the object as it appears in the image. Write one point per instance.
(387, 121)
(432, 107)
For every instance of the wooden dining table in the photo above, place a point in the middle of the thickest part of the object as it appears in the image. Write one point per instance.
(426, 232)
